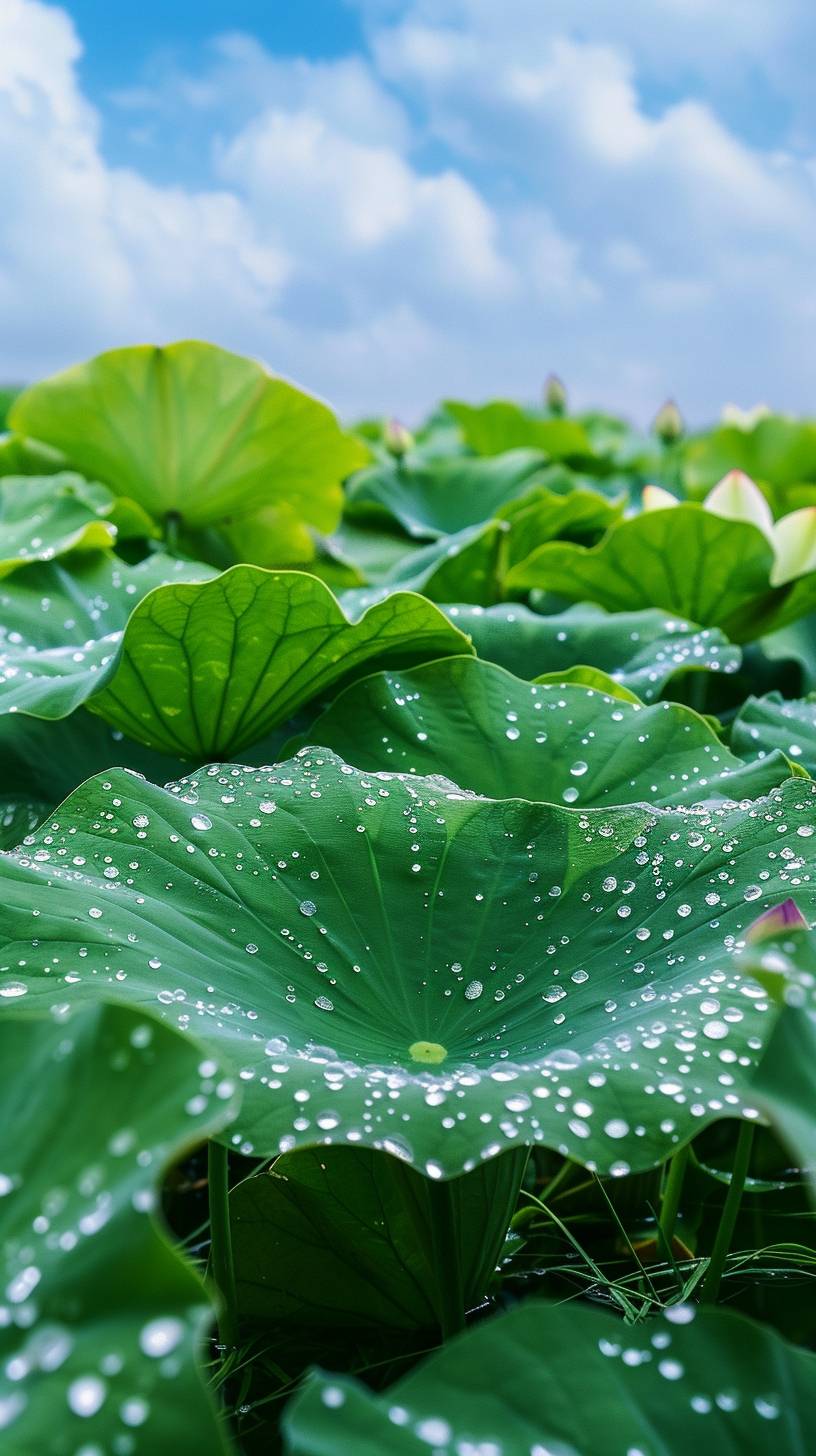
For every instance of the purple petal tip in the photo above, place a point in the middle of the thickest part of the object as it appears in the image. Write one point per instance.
(776, 921)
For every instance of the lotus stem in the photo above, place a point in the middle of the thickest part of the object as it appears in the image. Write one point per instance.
(698, 691)
(172, 521)
(450, 1300)
(671, 1195)
(728, 1217)
(222, 1269)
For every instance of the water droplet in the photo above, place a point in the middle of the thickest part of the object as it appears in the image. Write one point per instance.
(86, 1395)
(159, 1336)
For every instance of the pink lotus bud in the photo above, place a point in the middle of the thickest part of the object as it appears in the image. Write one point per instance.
(397, 439)
(668, 423)
(779, 920)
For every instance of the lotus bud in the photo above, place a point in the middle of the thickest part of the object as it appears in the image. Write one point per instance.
(668, 423)
(655, 498)
(778, 921)
(397, 439)
(737, 498)
(794, 542)
(555, 395)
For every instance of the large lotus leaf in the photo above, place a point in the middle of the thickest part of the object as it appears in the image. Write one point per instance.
(101, 1318)
(686, 560)
(201, 667)
(61, 629)
(492, 429)
(19, 817)
(432, 498)
(45, 760)
(340, 1239)
(506, 738)
(392, 961)
(641, 650)
(207, 668)
(771, 722)
(46, 516)
(567, 1380)
(194, 431)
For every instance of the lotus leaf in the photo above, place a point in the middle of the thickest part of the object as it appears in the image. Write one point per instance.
(102, 1319)
(772, 722)
(561, 742)
(643, 651)
(573, 1381)
(393, 961)
(201, 667)
(196, 432)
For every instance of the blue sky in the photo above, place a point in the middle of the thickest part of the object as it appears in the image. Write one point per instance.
(394, 200)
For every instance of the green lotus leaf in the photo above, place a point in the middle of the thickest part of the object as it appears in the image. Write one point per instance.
(574, 1381)
(102, 1319)
(62, 629)
(773, 722)
(685, 560)
(393, 961)
(340, 1239)
(200, 667)
(195, 432)
(498, 735)
(46, 516)
(492, 429)
(543, 515)
(643, 650)
(432, 498)
(207, 668)
(19, 817)
(785, 1082)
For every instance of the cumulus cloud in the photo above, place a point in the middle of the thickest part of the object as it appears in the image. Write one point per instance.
(488, 193)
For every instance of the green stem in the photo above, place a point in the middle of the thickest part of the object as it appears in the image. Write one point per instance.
(450, 1299)
(172, 522)
(671, 1195)
(698, 690)
(728, 1217)
(222, 1268)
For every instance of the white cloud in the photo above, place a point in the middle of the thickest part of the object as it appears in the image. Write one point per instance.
(90, 255)
(490, 195)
